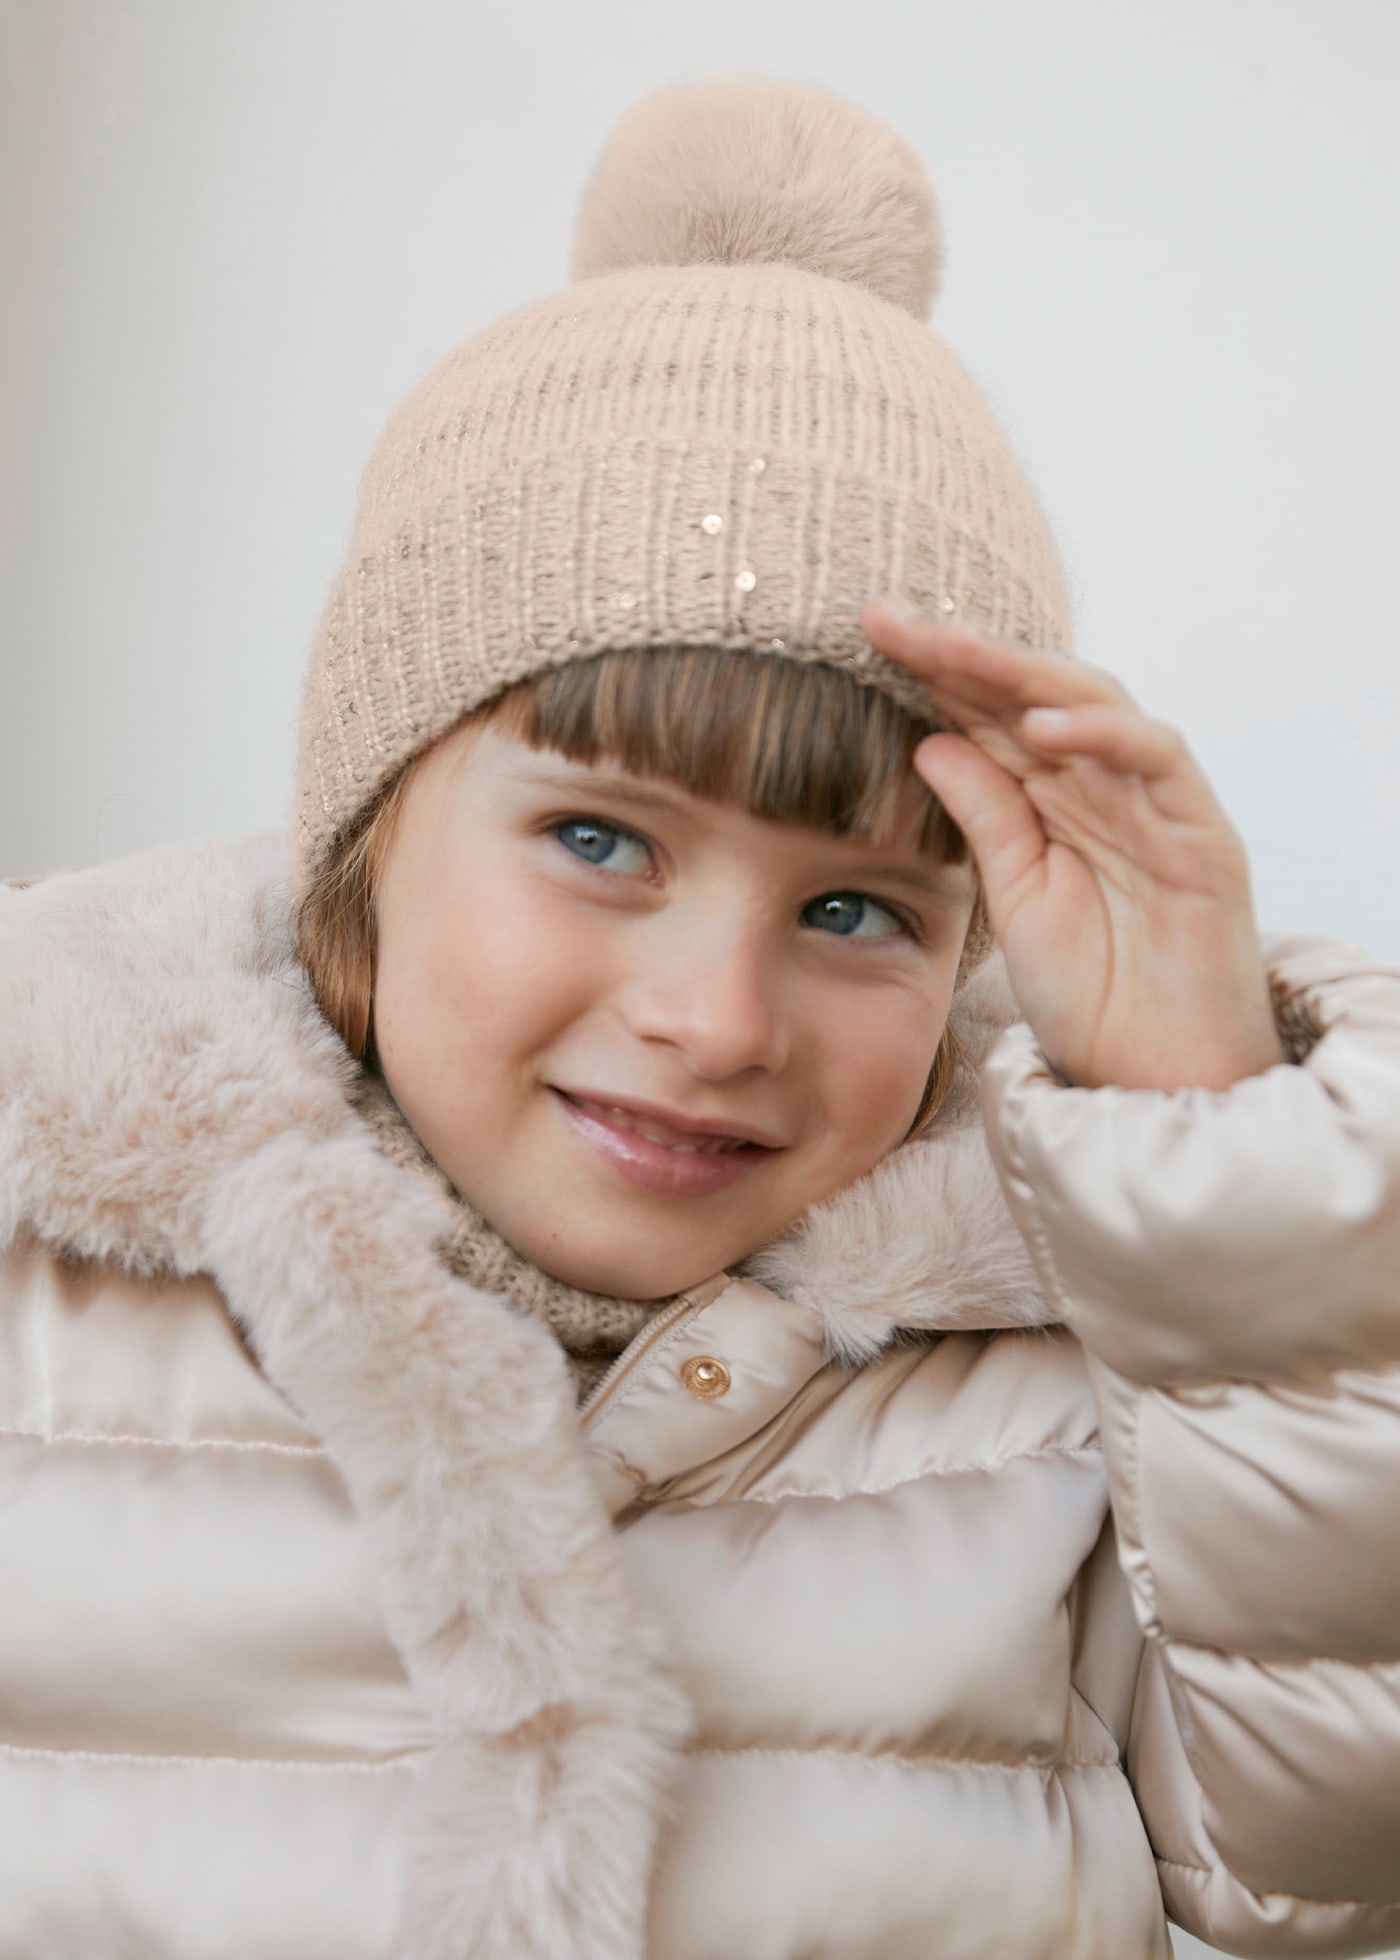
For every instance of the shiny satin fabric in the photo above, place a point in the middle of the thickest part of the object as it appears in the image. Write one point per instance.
(207, 1737)
(110, 1857)
(1231, 1262)
(996, 1648)
(871, 1585)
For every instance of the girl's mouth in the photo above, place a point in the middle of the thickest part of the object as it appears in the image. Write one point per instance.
(655, 1156)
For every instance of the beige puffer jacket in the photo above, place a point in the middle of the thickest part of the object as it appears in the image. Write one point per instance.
(323, 1615)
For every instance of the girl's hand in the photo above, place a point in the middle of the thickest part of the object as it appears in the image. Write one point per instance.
(1116, 885)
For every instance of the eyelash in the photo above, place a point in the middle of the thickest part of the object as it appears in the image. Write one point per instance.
(908, 928)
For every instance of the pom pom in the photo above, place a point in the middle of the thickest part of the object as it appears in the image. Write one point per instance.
(752, 171)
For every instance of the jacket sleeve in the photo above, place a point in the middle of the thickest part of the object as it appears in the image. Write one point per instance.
(1230, 1261)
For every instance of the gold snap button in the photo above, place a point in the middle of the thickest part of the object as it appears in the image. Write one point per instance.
(705, 1377)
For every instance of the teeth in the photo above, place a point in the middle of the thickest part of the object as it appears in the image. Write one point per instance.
(626, 1119)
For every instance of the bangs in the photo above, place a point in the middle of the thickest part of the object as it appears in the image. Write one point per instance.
(789, 740)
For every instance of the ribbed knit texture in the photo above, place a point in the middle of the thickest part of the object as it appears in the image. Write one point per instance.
(592, 1328)
(733, 451)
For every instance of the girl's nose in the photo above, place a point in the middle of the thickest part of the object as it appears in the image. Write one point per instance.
(715, 997)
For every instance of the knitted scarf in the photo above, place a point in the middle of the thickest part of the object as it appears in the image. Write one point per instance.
(592, 1328)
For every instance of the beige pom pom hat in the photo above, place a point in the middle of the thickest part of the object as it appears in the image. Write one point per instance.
(732, 427)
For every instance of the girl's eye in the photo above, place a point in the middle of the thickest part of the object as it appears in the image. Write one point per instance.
(853, 915)
(603, 844)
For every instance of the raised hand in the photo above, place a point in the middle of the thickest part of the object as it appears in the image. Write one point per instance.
(1116, 885)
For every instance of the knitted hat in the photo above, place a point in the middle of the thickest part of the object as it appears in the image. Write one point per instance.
(734, 426)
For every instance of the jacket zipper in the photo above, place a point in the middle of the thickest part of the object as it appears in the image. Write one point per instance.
(635, 1351)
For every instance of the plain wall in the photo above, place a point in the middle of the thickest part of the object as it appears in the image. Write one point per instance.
(235, 235)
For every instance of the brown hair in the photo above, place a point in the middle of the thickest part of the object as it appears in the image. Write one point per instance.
(793, 742)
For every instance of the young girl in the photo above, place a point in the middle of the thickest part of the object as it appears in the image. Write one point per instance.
(745, 1318)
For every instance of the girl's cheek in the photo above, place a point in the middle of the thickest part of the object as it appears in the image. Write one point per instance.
(884, 1072)
(541, 961)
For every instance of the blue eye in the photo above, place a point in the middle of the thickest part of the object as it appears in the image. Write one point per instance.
(853, 916)
(602, 843)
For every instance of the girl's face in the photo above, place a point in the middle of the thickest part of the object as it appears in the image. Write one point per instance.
(642, 1032)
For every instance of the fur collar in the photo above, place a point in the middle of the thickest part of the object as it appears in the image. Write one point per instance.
(171, 1099)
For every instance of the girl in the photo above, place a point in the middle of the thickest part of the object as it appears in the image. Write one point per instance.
(743, 1315)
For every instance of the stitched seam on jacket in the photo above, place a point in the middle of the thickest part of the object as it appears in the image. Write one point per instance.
(1056, 1288)
(872, 1758)
(154, 1760)
(642, 1368)
(933, 1470)
(165, 1442)
(1199, 1871)
(1132, 1479)
(1285, 1660)
(1275, 1892)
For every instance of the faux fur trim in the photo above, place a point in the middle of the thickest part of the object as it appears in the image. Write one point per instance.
(172, 1100)
(924, 1242)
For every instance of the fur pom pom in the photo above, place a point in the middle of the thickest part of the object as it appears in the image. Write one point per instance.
(752, 171)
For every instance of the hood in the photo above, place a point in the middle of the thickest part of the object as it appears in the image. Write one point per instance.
(173, 1101)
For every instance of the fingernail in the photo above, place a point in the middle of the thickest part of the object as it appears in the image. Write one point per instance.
(898, 608)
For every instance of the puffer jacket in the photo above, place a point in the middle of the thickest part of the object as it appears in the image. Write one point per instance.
(1007, 1560)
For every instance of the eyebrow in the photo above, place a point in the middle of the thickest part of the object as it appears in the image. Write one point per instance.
(930, 878)
(935, 880)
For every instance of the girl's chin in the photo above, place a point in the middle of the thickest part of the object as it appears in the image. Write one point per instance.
(658, 1281)
(648, 1272)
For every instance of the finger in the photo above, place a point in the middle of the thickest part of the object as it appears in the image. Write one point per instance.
(1121, 738)
(982, 670)
(989, 806)
(1130, 743)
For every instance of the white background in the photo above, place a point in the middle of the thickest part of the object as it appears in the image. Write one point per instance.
(233, 236)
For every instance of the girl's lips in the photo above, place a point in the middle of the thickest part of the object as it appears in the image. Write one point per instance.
(664, 1169)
